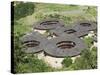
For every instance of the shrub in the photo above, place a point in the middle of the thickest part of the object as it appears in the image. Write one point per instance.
(88, 41)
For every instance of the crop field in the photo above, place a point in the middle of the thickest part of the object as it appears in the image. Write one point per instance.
(26, 14)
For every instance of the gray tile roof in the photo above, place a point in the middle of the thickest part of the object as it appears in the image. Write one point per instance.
(67, 41)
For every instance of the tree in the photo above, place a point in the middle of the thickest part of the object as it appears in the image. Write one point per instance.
(88, 60)
(23, 9)
(67, 61)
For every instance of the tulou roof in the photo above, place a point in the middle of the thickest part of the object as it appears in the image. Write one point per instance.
(67, 41)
